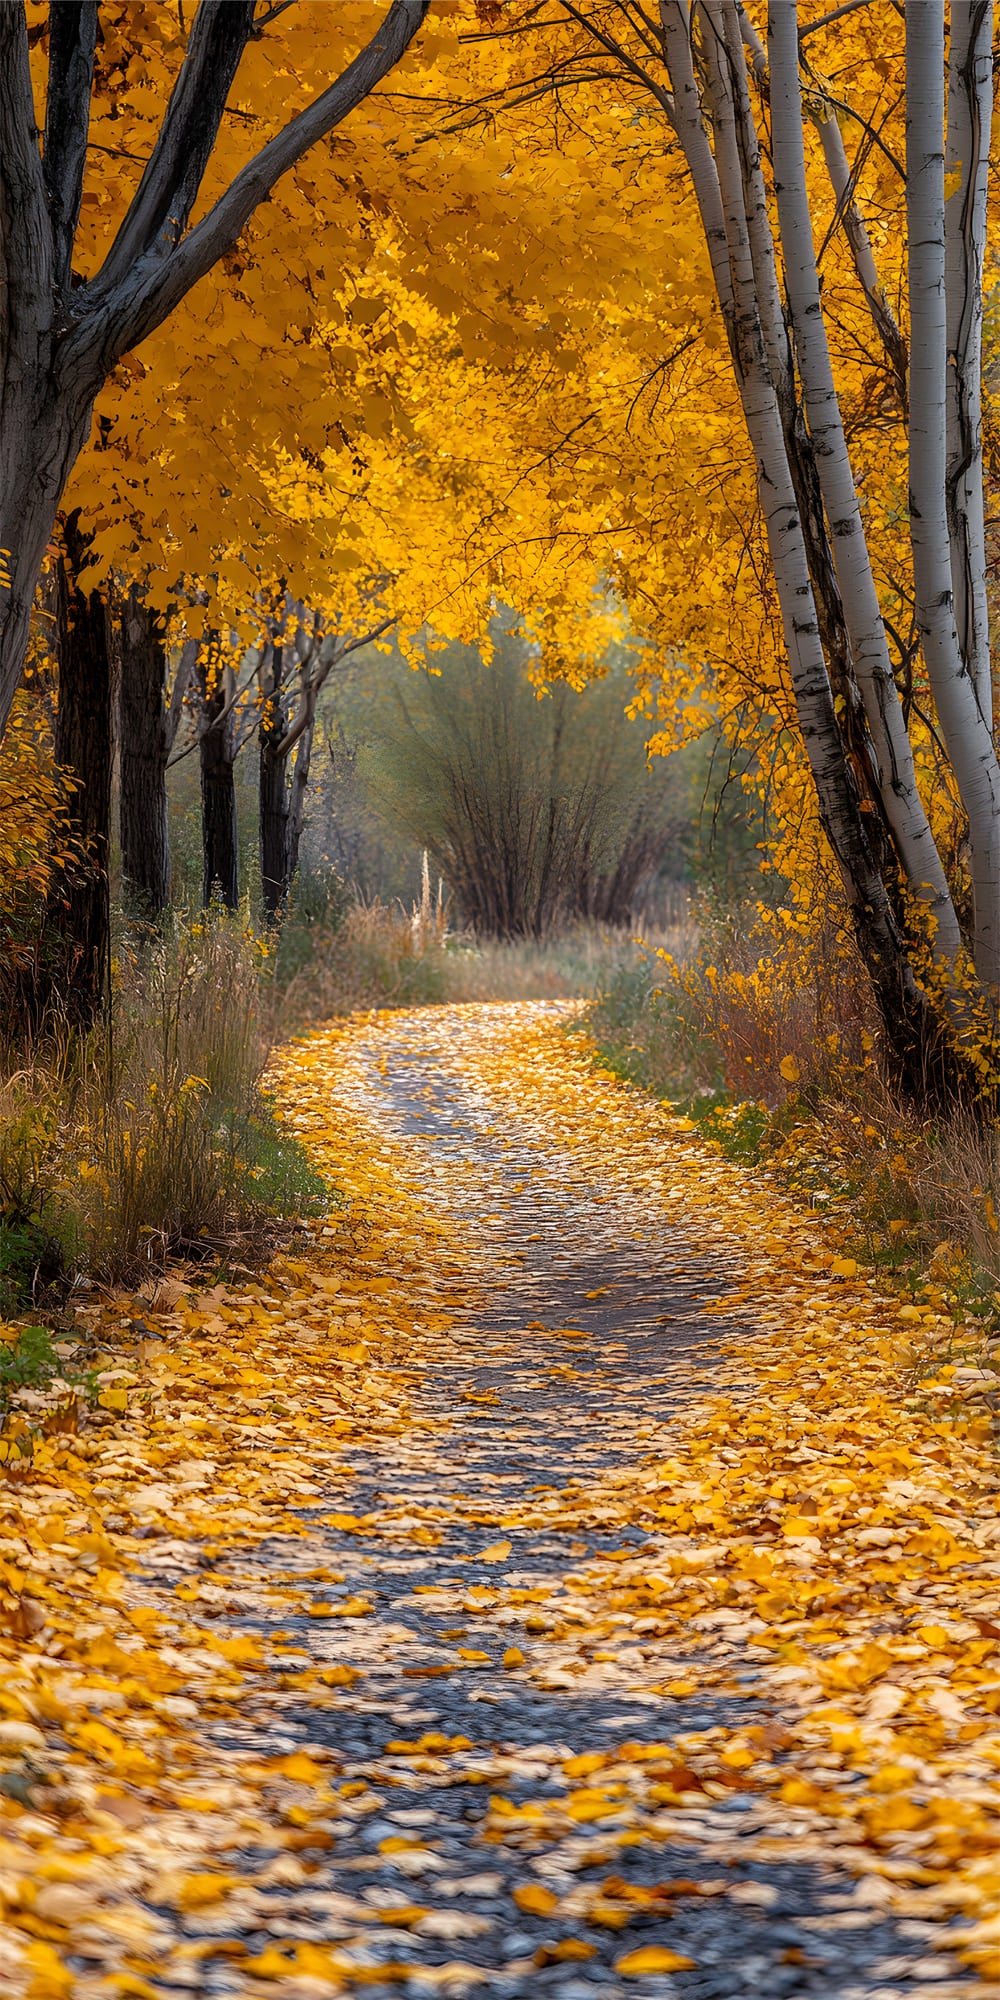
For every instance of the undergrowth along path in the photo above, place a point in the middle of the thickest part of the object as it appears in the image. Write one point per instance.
(558, 1575)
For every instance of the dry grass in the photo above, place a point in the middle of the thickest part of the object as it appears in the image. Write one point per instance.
(380, 956)
(769, 1039)
(121, 1149)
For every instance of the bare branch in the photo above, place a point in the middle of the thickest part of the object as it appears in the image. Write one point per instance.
(318, 680)
(264, 20)
(843, 180)
(849, 7)
(659, 368)
(218, 721)
(182, 681)
(614, 48)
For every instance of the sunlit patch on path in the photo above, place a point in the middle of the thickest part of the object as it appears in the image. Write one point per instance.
(625, 1636)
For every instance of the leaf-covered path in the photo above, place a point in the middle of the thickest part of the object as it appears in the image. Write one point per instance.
(610, 1609)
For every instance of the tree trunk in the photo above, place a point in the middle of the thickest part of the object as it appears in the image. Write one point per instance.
(273, 802)
(964, 726)
(298, 788)
(143, 747)
(220, 844)
(902, 804)
(80, 908)
(967, 159)
(42, 431)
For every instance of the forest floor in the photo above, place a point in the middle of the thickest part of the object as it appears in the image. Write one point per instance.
(565, 1572)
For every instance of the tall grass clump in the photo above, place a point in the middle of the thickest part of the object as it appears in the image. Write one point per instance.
(371, 955)
(151, 1136)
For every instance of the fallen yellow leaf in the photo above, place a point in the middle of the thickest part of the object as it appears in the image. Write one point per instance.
(652, 1958)
(536, 1899)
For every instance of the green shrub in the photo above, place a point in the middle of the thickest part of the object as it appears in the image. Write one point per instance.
(648, 1031)
(317, 909)
(32, 1259)
(29, 1361)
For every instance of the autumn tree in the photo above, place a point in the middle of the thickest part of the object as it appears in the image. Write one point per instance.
(881, 609)
(355, 468)
(65, 330)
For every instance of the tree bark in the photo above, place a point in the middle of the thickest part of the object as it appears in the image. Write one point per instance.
(967, 163)
(298, 789)
(143, 747)
(80, 909)
(966, 731)
(904, 810)
(220, 841)
(275, 875)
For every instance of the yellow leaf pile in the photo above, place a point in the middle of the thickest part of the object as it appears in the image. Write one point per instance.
(826, 1519)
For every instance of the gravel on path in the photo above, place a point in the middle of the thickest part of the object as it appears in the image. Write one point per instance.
(591, 1332)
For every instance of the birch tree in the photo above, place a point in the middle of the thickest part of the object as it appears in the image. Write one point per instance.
(739, 108)
(946, 484)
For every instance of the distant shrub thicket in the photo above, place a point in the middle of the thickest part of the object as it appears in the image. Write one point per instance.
(536, 806)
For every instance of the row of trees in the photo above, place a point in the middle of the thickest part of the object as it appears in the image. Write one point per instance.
(533, 298)
(122, 702)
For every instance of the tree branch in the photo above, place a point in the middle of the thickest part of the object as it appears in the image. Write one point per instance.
(159, 210)
(847, 212)
(72, 43)
(318, 680)
(122, 309)
(25, 233)
(218, 721)
(182, 681)
(849, 7)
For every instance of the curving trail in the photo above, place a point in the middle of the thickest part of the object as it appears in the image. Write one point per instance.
(529, 1704)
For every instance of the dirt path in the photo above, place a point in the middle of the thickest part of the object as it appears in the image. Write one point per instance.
(513, 1715)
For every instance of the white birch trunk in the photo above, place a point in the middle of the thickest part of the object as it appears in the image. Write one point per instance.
(724, 49)
(897, 778)
(967, 159)
(966, 733)
(779, 505)
(689, 125)
(859, 243)
(718, 185)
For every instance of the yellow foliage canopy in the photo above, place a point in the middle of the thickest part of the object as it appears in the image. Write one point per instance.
(469, 350)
